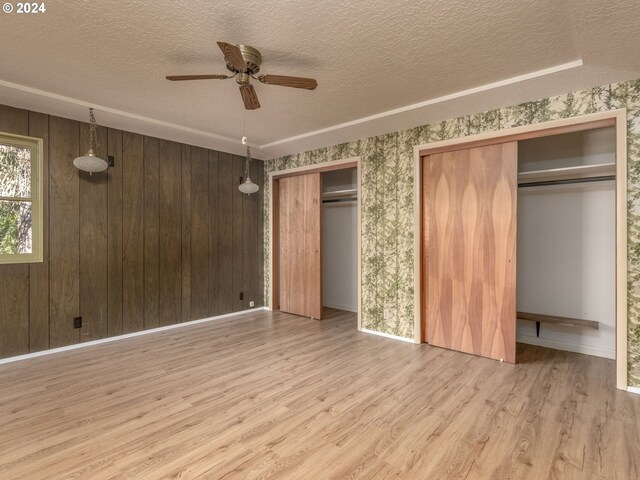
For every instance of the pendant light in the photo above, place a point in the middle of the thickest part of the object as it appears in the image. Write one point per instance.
(247, 186)
(90, 162)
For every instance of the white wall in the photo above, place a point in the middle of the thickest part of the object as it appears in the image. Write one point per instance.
(340, 256)
(337, 180)
(566, 246)
(590, 147)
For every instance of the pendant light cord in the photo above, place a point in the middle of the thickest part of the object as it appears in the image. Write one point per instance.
(93, 137)
(246, 165)
(248, 159)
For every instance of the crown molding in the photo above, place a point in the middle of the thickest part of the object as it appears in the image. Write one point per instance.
(122, 119)
(23, 96)
(426, 103)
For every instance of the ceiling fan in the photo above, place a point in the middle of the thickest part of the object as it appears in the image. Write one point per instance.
(244, 62)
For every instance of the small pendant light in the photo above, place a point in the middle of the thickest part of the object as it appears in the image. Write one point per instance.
(247, 186)
(90, 162)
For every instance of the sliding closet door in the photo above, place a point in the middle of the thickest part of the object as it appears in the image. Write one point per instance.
(300, 253)
(470, 248)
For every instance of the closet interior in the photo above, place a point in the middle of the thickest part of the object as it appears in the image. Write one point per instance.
(566, 242)
(340, 239)
(519, 244)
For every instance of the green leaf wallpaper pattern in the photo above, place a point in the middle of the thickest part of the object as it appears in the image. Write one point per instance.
(388, 295)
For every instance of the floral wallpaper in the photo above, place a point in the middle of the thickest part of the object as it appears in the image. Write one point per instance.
(387, 200)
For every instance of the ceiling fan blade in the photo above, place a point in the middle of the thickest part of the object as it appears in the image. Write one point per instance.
(175, 78)
(233, 55)
(249, 97)
(284, 81)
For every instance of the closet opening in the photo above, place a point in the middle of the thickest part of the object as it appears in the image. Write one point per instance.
(566, 242)
(523, 239)
(315, 241)
(340, 241)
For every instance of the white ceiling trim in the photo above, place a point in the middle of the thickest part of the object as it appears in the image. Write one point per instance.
(117, 112)
(60, 105)
(433, 101)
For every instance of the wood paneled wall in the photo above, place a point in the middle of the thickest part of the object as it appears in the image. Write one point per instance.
(163, 237)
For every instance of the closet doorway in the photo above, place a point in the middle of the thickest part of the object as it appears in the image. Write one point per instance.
(566, 252)
(340, 239)
(525, 229)
(315, 239)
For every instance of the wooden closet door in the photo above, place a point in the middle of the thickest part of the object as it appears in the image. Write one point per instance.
(300, 253)
(470, 220)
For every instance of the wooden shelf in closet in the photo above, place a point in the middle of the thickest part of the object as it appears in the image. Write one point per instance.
(565, 321)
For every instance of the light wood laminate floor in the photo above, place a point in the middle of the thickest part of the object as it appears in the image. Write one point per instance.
(273, 396)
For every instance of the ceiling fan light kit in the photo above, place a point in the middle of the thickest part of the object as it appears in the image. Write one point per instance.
(244, 63)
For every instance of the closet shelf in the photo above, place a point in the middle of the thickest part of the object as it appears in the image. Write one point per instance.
(568, 173)
(554, 319)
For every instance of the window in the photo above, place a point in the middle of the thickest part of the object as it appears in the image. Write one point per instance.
(20, 199)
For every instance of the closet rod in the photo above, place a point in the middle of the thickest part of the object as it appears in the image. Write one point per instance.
(339, 200)
(568, 181)
(352, 192)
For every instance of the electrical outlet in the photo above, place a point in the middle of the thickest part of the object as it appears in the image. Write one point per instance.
(252, 303)
(77, 322)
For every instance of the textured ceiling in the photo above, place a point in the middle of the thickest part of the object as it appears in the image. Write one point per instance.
(369, 57)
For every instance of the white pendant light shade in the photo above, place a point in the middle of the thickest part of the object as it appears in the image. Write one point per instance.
(248, 187)
(89, 162)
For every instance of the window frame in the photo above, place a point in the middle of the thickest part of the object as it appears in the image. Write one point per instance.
(36, 145)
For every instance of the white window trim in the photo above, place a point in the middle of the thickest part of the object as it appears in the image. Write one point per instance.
(37, 198)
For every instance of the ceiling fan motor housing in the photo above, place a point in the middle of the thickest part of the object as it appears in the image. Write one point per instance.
(252, 58)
